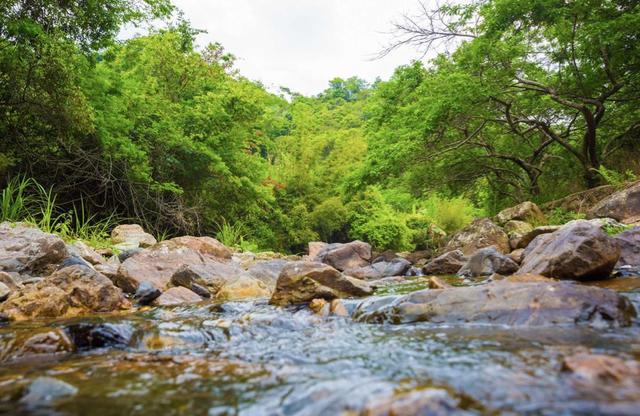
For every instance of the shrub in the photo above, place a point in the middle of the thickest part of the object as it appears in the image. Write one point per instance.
(450, 214)
(561, 216)
(329, 219)
(617, 179)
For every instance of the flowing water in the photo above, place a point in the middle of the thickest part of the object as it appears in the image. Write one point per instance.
(250, 358)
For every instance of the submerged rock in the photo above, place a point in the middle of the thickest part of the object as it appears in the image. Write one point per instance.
(86, 336)
(579, 250)
(46, 390)
(27, 250)
(431, 402)
(345, 256)
(479, 234)
(486, 262)
(302, 282)
(50, 342)
(526, 211)
(70, 291)
(448, 263)
(521, 304)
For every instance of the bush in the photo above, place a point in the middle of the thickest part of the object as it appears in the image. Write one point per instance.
(561, 216)
(450, 214)
(329, 220)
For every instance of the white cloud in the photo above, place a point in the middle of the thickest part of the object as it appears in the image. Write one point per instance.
(302, 44)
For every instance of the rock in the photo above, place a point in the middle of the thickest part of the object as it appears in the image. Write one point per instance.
(522, 304)
(387, 255)
(623, 206)
(146, 293)
(132, 235)
(82, 250)
(526, 211)
(516, 230)
(51, 342)
(479, 234)
(267, 272)
(315, 247)
(345, 256)
(396, 267)
(448, 263)
(46, 390)
(437, 283)
(243, 287)
(87, 336)
(527, 278)
(599, 369)
(427, 402)
(517, 255)
(486, 262)
(70, 291)
(337, 308)
(212, 275)
(126, 253)
(159, 263)
(319, 307)
(27, 250)
(527, 238)
(302, 282)
(5, 291)
(11, 282)
(579, 250)
(177, 296)
(73, 260)
(107, 269)
(418, 257)
(629, 243)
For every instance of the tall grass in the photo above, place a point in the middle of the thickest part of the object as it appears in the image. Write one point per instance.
(15, 202)
(231, 235)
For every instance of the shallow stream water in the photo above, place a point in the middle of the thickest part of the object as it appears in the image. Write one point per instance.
(249, 358)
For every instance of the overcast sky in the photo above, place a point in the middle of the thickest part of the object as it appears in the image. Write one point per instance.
(302, 44)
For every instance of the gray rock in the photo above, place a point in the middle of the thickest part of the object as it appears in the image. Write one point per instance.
(5, 291)
(526, 211)
(146, 293)
(623, 206)
(345, 256)
(486, 262)
(479, 234)
(448, 263)
(44, 391)
(378, 270)
(27, 250)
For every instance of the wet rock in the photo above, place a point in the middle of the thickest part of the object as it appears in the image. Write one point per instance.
(337, 308)
(146, 293)
(46, 390)
(386, 281)
(479, 234)
(200, 290)
(432, 402)
(70, 291)
(600, 369)
(629, 243)
(159, 263)
(448, 263)
(267, 272)
(27, 250)
(319, 307)
(177, 296)
(526, 211)
(579, 250)
(302, 282)
(623, 206)
(522, 304)
(345, 256)
(396, 267)
(243, 287)
(517, 255)
(486, 262)
(437, 283)
(527, 238)
(414, 271)
(87, 336)
(516, 230)
(212, 275)
(51, 342)
(5, 291)
(82, 250)
(132, 235)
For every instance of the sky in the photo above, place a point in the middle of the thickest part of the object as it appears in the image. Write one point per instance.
(302, 44)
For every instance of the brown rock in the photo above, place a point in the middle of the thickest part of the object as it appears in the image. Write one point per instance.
(345, 256)
(177, 296)
(527, 278)
(522, 304)
(579, 250)
(396, 267)
(211, 274)
(623, 206)
(10, 281)
(267, 272)
(526, 211)
(479, 234)
(600, 368)
(26, 346)
(243, 287)
(486, 262)
(27, 250)
(319, 307)
(448, 263)
(629, 243)
(516, 230)
(517, 255)
(70, 291)
(337, 308)
(526, 239)
(132, 235)
(437, 283)
(315, 247)
(85, 252)
(432, 402)
(302, 282)
(159, 263)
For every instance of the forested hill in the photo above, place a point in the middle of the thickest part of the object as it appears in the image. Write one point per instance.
(528, 100)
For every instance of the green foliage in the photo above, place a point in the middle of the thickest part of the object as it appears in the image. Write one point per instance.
(231, 235)
(561, 216)
(15, 201)
(330, 219)
(617, 179)
(615, 229)
(450, 214)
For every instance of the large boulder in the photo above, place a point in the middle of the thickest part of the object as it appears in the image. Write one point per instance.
(157, 264)
(479, 234)
(518, 304)
(522, 241)
(526, 211)
(395, 267)
(623, 206)
(244, 287)
(486, 262)
(267, 271)
(315, 247)
(629, 243)
(27, 250)
(70, 291)
(345, 256)
(448, 263)
(131, 235)
(579, 250)
(304, 281)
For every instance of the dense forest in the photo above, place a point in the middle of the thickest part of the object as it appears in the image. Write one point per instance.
(525, 100)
